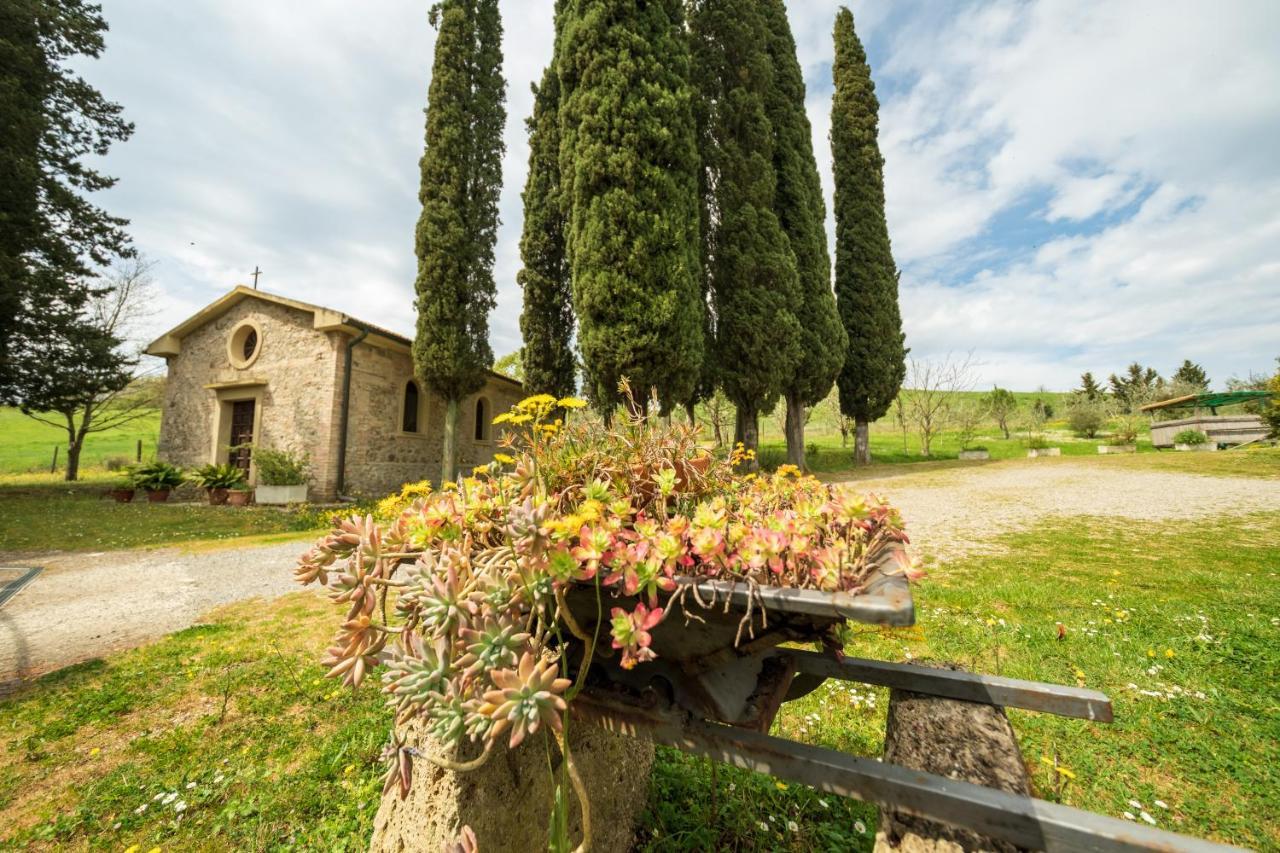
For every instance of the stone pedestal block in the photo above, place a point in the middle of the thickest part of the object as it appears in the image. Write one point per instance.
(507, 802)
(959, 740)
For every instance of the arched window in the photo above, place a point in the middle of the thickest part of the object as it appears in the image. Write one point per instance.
(482, 419)
(409, 417)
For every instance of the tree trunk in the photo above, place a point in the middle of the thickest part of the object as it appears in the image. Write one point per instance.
(449, 456)
(1004, 427)
(74, 447)
(747, 431)
(691, 413)
(795, 432)
(862, 442)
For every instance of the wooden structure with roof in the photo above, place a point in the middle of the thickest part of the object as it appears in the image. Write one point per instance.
(1221, 430)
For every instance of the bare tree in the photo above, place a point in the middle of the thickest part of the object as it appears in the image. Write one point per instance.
(84, 381)
(934, 386)
(900, 417)
(968, 416)
(719, 413)
(844, 422)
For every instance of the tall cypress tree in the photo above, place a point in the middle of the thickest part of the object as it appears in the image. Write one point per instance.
(546, 323)
(461, 181)
(866, 276)
(802, 214)
(751, 268)
(628, 171)
(51, 237)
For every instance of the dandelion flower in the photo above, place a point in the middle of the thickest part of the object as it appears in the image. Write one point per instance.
(1168, 653)
(93, 752)
(782, 786)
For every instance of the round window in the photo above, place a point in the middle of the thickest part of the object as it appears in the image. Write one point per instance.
(244, 344)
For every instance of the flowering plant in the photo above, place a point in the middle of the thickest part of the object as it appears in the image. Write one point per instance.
(475, 574)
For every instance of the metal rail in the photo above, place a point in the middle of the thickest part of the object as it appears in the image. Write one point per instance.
(8, 589)
(1024, 821)
(954, 684)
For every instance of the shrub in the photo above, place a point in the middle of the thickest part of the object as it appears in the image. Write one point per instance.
(116, 463)
(1190, 436)
(813, 451)
(481, 640)
(219, 477)
(156, 476)
(1037, 442)
(1086, 416)
(280, 467)
(771, 458)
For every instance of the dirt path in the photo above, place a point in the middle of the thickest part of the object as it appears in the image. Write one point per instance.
(953, 512)
(86, 605)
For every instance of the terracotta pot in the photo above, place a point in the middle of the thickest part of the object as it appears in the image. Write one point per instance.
(218, 497)
(122, 496)
(158, 496)
(684, 466)
(238, 497)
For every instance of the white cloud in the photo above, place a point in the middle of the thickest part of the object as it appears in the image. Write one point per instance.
(290, 138)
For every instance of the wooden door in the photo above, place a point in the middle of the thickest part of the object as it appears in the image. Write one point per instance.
(241, 434)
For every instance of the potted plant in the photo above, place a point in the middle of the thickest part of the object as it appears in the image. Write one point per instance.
(239, 496)
(218, 481)
(122, 494)
(1192, 439)
(1038, 445)
(157, 479)
(282, 476)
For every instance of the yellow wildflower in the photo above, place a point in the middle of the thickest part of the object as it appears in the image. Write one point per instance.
(94, 752)
(503, 418)
(1168, 653)
(478, 470)
(133, 848)
(782, 786)
(1151, 653)
(504, 458)
(571, 403)
(520, 419)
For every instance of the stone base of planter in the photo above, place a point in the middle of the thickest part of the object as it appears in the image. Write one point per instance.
(1117, 448)
(1196, 448)
(960, 740)
(507, 802)
(975, 454)
(1044, 451)
(239, 497)
(280, 494)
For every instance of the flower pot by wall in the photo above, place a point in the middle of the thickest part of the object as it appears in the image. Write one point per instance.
(1044, 451)
(158, 496)
(239, 497)
(122, 496)
(280, 494)
(1194, 448)
(218, 497)
(975, 454)
(1117, 448)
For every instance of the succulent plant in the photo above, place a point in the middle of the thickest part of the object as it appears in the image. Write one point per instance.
(525, 698)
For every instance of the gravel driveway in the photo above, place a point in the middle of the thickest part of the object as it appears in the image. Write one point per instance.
(86, 605)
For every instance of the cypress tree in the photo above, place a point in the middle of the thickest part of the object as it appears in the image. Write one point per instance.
(802, 214)
(628, 171)
(461, 180)
(546, 323)
(866, 276)
(52, 239)
(751, 267)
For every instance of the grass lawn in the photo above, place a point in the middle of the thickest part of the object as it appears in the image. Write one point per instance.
(1179, 623)
(41, 514)
(27, 445)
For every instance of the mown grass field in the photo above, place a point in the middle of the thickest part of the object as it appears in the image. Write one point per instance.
(225, 736)
(27, 445)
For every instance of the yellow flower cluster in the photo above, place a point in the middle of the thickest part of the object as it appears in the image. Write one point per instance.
(741, 454)
(394, 504)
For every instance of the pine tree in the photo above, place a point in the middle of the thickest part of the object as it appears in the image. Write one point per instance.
(52, 239)
(1191, 375)
(546, 323)
(1089, 387)
(752, 269)
(461, 180)
(802, 215)
(866, 276)
(628, 171)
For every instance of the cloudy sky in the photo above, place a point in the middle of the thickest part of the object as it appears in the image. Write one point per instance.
(1071, 185)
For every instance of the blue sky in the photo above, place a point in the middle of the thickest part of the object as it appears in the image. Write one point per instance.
(1070, 185)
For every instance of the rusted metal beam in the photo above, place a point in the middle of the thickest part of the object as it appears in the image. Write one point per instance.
(1026, 822)
(952, 684)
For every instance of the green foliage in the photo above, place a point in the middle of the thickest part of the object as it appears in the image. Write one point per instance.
(1193, 437)
(53, 126)
(1002, 405)
(156, 476)
(511, 364)
(219, 477)
(546, 322)
(1191, 375)
(1089, 387)
(866, 280)
(280, 467)
(461, 181)
(1136, 387)
(752, 275)
(802, 215)
(628, 173)
(1086, 415)
(1037, 442)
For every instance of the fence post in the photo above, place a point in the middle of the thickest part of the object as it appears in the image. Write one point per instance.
(139, 459)
(53, 466)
